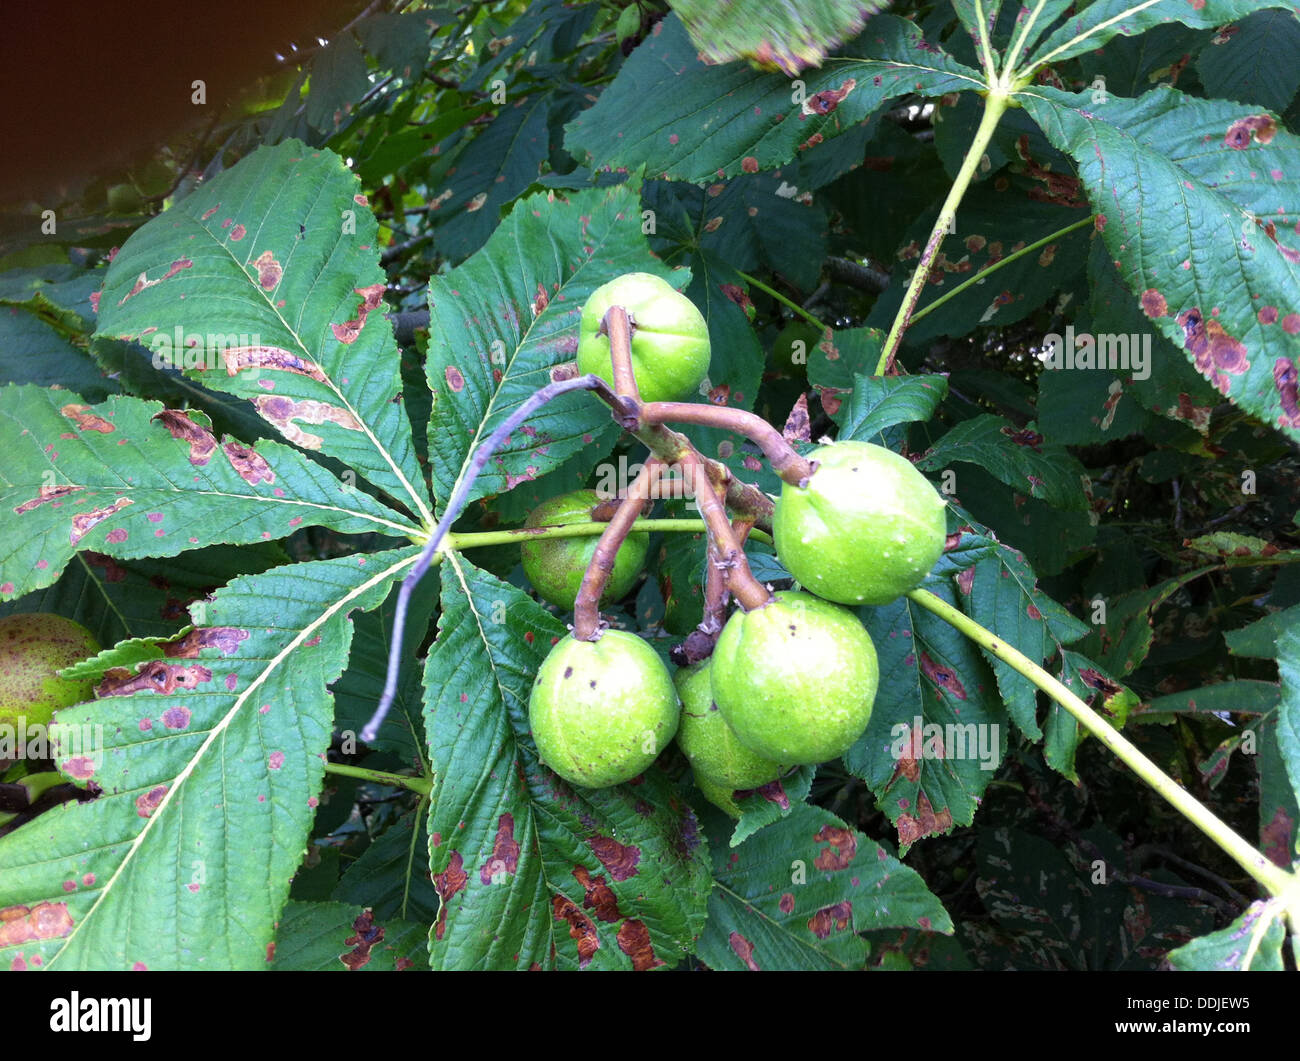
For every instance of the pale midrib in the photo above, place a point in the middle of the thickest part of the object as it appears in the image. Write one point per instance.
(219, 731)
(329, 379)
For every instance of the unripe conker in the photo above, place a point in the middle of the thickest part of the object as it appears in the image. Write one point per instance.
(555, 566)
(715, 752)
(866, 528)
(670, 340)
(34, 646)
(795, 679)
(602, 711)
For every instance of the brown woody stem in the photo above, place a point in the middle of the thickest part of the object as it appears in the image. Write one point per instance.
(730, 557)
(617, 324)
(791, 467)
(743, 498)
(586, 609)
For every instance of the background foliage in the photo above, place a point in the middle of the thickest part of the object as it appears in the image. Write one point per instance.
(239, 524)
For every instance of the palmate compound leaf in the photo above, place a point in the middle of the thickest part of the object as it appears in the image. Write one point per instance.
(1175, 180)
(266, 284)
(129, 478)
(501, 324)
(208, 787)
(684, 120)
(531, 871)
(795, 895)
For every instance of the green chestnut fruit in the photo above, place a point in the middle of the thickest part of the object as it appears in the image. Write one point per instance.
(670, 339)
(719, 795)
(33, 648)
(602, 711)
(124, 199)
(555, 566)
(796, 678)
(865, 529)
(704, 737)
(794, 347)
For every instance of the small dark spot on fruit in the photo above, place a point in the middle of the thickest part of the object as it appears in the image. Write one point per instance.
(593, 683)
(568, 672)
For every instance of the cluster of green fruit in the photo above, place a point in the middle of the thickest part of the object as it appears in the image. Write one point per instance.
(790, 683)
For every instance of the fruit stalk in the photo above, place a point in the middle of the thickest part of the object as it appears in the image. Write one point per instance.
(730, 557)
(791, 467)
(1275, 879)
(586, 609)
(668, 445)
(617, 324)
(995, 105)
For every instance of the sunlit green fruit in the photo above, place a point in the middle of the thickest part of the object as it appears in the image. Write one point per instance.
(865, 529)
(124, 199)
(602, 711)
(715, 752)
(719, 795)
(555, 566)
(794, 347)
(670, 340)
(629, 23)
(34, 646)
(795, 679)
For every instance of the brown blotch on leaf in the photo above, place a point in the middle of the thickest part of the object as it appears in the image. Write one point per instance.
(143, 281)
(924, 823)
(87, 421)
(773, 792)
(46, 495)
(26, 924)
(1259, 126)
(826, 101)
(744, 950)
(146, 804)
(1275, 838)
(224, 638)
(249, 465)
(634, 941)
(269, 271)
(620, 860)
(837, 917)
(1215, 352)
(505, 851)
(272, 358)
(371, 298)
(454, 379)
(798, 427)
(597, 895)
(181, 427)
(153, 676)
(942, 677)
(281, 412)
(581, 930)
(365, 934)
(84, 522)
(1285, 378)
(841, 848)
(452, 879)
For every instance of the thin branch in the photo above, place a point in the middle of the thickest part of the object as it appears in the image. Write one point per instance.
(451, 512)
